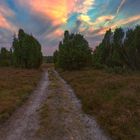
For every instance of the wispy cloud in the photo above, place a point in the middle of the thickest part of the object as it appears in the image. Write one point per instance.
(119, 23)
(120, 6)
(84, 5)
(126, 21)
(5, 12)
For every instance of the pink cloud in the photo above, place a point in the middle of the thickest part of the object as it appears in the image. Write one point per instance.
(55, 34)
(126, 21)
(4, 23)
(56, 10)
(119, 23)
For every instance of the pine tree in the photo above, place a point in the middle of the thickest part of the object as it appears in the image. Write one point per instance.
(73, 53)
(26, 51)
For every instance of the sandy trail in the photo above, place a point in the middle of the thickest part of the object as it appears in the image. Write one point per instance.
(66, 120)
(24, 122)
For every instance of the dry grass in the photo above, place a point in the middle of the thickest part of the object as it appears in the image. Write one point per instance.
(113, 99)
(15, 87)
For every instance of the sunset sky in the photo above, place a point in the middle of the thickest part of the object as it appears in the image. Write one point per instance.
(48, 19)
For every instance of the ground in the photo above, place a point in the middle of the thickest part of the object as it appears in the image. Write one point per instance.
(15, 87)
(62, 117)
(113, 99)
(52, 112)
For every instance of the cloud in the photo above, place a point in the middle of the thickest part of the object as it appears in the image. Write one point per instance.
(120, 23)
(58, 33)
(4, 23)
(56, 10)
(126, 21)
(76, 27)
(94, 25)
(5, 12)
(84, 18)
(103, 19)
(83, 6)
(120, 6)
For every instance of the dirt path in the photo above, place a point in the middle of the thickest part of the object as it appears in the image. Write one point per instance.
(24, 122)
(64, 121)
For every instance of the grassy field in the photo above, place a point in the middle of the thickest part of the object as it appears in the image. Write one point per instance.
(15, 87)
(113, 99)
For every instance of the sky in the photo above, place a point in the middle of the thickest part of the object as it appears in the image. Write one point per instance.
(48, 19)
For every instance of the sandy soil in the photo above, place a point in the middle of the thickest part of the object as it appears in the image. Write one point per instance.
(66, 120)
(24, 122)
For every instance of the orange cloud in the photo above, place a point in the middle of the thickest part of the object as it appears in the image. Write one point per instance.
(115, 25)
(4, 23)
(85, 18)
(57, 33)
(101, 32)
(56, 10)
(104, 19)
(126, 21)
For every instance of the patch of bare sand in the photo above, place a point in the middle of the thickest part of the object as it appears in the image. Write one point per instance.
(62, 116)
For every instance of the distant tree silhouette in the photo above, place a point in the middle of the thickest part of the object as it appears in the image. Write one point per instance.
(5, 57)
(48, 59)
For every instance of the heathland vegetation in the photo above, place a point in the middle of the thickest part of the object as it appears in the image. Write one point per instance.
(15, 87)
(113, 99)
(109, 88)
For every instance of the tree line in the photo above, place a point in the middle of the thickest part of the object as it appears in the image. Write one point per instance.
(24, 53)
(118, 49)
